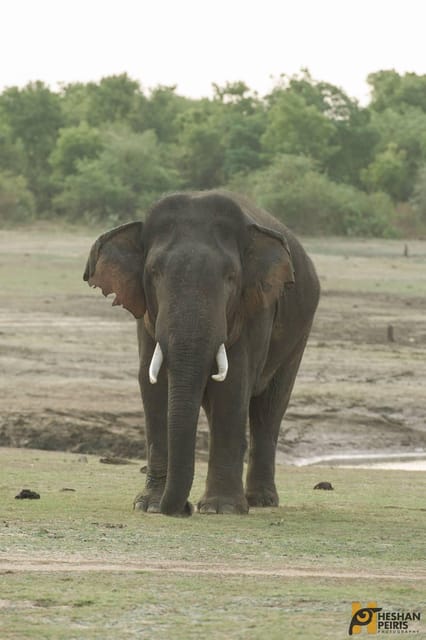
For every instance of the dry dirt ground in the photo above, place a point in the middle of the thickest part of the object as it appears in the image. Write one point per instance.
(68, 360)
(79, 563)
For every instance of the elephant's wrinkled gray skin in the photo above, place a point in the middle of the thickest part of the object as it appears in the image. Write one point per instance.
(206, 270)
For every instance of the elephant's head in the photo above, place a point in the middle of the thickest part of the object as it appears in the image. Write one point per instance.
(195, 270)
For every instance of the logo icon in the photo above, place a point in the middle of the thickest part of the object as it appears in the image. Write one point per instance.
(374, 619)
(364, 617)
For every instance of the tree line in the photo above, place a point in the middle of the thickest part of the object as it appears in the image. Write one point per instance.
(103, 152)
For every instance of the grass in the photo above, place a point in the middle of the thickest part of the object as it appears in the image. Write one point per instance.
(371, 525)
(44, 262)
(53, 260)
(370, 266)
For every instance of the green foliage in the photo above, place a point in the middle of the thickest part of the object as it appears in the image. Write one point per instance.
(16, 201)
(12, 155)
(75, 104)
(34, 117)
(126, 176)
(74, 144)
(309, 202)
(222, 137)
(162, 112)
(114, 99)
(419, 195)
(201, 154)
(390, 90)
(242, 122)
(388, 172)
(296, 127)
(345, 127)
(105, 150)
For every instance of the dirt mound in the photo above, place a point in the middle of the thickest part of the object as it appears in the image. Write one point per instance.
(82, 432)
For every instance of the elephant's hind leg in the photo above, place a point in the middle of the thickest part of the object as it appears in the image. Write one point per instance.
(266, 413)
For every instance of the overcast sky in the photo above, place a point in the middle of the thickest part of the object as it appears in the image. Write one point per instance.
(192, 43)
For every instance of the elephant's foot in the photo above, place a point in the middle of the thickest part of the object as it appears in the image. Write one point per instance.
(262, 497)
(150, 502)
(223, 504)
(187, 510)
(149, 499)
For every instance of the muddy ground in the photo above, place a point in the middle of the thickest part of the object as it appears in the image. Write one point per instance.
(68, 360)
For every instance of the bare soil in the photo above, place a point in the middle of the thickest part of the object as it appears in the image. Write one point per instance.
(68, 360)
(120, 563)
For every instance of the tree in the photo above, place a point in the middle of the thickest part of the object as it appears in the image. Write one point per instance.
(388, 172)
(241, 118)
(309, 202)
(405, 131)
(16, 202)
(163, 113)
(419, 195)
(350, 140)
(390, 90)
(201, 147)
(76, 103)
(12, 154)
(296, 127)
(114, 99)
(117, 185)
(34, 117)
(74, 144)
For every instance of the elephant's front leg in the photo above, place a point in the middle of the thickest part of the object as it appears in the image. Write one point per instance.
(227, 416)
(155, 404)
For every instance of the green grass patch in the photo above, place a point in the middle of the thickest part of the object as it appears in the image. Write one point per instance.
(371, 525)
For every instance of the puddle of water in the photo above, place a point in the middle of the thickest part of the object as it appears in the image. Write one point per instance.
(414, 465)
(415, 461)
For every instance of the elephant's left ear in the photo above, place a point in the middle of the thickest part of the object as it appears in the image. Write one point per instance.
(115, 265)
(268, 267)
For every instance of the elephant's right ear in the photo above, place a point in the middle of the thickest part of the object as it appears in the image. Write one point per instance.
(115, 265)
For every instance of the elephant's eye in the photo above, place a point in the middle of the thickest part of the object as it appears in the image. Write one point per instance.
(230, 277)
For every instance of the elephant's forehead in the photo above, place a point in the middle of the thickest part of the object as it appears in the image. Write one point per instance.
(199, 211)
(195, 224)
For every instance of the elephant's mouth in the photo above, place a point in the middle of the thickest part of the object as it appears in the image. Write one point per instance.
(158, 358)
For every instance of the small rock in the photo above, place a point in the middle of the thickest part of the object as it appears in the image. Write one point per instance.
(67, 489)
(27, 494)
(327, 486)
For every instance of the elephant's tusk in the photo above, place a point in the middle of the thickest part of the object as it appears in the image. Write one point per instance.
(156, 362)
(222, 364)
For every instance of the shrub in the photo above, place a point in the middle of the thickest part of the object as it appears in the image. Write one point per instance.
(120, 183)
(309, 202)
(16, 201)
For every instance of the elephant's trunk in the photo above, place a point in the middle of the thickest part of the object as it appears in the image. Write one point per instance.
(190, 328)
(188, 372)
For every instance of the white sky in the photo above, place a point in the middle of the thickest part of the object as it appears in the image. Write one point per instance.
(193, 43)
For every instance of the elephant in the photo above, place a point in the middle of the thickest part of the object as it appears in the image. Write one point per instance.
(224, 296)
